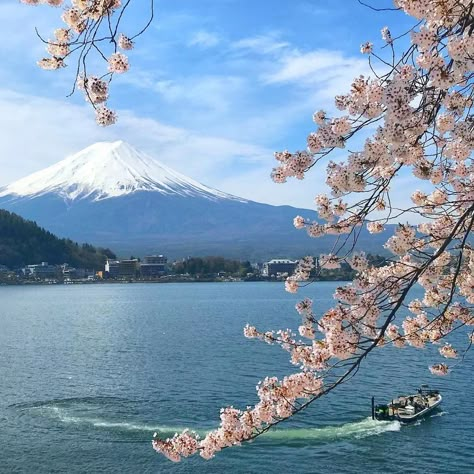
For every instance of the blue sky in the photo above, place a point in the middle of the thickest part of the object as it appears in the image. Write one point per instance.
(215, 86)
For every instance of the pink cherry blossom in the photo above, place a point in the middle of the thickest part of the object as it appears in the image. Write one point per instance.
(118, 63)
(439, 369)
(329, 261)
(124, 42)
(366, 48)
(105, 116)
(448, 351)
(299, 222)
(375, 227)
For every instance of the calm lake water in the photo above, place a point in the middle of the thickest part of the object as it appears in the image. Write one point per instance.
(88, 373)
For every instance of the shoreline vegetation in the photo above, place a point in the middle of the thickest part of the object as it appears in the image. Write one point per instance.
(342, 274)
(162, 280)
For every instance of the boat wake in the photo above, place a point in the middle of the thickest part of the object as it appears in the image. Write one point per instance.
(358, 429)
(78, 413)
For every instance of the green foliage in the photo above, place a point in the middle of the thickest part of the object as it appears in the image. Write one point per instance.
(212, 266)
(23, 242)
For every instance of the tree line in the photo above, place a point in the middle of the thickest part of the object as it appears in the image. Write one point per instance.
(211, 266)
(23, 242)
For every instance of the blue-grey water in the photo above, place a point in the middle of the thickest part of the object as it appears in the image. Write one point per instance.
(89, 373)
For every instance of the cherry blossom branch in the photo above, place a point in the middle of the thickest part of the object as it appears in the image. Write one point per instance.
(90, 26)
(422, 103)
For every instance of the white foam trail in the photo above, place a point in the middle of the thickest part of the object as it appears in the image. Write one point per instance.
(59, 413)
(358, 429)
(62, 415)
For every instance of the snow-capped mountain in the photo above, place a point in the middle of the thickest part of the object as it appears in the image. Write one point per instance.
(105, 170)
(112, 195)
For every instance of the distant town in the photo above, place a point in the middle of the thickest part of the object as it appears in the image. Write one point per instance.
(156, 268)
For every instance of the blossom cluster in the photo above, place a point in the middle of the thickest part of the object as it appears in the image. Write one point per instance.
(83, 21)
(277, 400)
(301, 273)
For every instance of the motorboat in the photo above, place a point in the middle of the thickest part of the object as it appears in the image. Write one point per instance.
(407, 408)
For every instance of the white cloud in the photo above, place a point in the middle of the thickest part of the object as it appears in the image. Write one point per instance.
(206, 96)
(315, 67)
(281, 62)
(319, 74)
(37, 132)
(262, 44)
(204, 39)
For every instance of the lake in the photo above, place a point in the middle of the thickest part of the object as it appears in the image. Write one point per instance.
(89, 372)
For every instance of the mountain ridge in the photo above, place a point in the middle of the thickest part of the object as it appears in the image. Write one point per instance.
(112, 195)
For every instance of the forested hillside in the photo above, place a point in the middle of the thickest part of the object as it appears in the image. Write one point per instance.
(23, 242)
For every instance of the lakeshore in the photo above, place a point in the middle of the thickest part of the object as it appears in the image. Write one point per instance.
(156, 269)
(154, 281)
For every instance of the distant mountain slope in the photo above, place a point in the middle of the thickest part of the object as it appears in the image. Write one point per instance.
(111, 194)
(22, 242)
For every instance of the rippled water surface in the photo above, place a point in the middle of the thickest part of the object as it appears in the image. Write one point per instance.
(89, 373)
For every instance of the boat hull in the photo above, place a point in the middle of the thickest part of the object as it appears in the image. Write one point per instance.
(400, 410)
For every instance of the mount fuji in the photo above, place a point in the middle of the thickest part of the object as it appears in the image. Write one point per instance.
(108, 170)
(111, 194)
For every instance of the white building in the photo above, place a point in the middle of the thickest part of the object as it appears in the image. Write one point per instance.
(277, 267)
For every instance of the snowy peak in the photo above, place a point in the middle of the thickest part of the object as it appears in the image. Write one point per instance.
(106, 170)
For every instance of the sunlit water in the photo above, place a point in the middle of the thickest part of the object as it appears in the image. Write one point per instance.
(89, 373)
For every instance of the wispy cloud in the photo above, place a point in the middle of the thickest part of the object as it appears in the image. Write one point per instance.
(280, 62)
(209, 94)
(261, 44)
(204, 39)
(315, 67)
